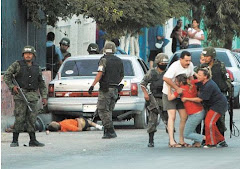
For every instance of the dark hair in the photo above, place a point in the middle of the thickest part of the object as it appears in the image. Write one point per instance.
(184, 53)
(182, 78)
(206, 72)
(116, 41)
(52, 128)
(50, 36)
(176, 28)
(195, 20)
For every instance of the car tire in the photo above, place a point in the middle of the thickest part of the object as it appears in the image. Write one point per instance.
(141, 119)
(236, 104)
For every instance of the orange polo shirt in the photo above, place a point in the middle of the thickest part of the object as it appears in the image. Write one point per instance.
(69, 125)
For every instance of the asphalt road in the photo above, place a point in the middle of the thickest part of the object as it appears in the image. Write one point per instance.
(128, 151)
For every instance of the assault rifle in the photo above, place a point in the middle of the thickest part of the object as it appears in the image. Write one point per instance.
(22, 94)
(153, 106)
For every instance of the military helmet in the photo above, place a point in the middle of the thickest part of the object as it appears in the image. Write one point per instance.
(93, 48)
(65, 41)
(109, 47)
(209, 51)
(161, 58)
(29, 49)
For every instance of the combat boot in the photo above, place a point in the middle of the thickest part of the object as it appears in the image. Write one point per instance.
(151, 143)
(15, 140)
(109, 133)
(33, 142)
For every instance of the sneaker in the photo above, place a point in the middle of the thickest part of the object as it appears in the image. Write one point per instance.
(210, 146)
(222, 144)
(14, 144)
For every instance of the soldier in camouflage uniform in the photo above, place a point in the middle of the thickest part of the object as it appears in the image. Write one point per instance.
(64, 45)
(154, 99)
(28, 74)
(221, 78)
(110, 74)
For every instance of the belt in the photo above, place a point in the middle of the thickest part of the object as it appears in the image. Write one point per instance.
(28, 90)
(113, 86)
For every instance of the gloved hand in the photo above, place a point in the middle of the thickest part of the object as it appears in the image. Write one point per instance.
(90, 89)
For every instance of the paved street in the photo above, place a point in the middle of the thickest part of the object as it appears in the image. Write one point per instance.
(129, 150)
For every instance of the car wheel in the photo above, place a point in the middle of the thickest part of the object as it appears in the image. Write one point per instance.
(141, 120)
(236, 102)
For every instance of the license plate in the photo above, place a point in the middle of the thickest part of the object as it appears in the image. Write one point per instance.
(89, 108)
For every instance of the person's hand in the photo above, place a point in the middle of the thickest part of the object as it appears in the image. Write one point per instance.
(44, 101)
(90, 89)
(15, 89)
(184, 99)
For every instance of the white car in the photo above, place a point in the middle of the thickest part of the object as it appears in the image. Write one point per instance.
(68, 92)
(225, 56)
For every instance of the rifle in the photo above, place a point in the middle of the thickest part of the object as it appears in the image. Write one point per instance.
(22, 94)
(230, 110)
(152, 104)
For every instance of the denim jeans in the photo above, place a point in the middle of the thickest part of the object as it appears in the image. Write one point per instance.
(191, 124)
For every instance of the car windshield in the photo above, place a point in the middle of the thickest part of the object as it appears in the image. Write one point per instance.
(222, 56)
(89, 68)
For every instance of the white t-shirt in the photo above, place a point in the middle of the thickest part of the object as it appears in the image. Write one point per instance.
(174, 70)
(198, 34)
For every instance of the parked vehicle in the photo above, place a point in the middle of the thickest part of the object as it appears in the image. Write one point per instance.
(225, 56)
(68, 92)
(237, 56)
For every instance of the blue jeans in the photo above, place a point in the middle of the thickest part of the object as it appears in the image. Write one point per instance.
(194, 46)
(191, 124)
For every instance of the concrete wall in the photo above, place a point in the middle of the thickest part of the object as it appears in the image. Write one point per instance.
(79, 30)
(7, 103)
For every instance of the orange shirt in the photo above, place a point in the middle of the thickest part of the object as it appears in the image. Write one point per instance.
(69, 125)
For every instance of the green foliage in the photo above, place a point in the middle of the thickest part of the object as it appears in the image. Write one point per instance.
(116, 17)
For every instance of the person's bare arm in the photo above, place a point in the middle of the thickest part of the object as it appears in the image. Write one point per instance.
(195, 99)
(97, 78)
(173, 85)
(171, 96)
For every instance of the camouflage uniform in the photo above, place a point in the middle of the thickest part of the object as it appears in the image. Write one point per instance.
(153, 110)
(21, 112)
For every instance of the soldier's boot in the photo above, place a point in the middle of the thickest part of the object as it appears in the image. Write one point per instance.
(151, 139)
(109, 133)
(15, 140)
(33, 142)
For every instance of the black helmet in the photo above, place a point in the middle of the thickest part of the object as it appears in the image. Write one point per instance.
(65, 41)
(29, 49)
(93, 48)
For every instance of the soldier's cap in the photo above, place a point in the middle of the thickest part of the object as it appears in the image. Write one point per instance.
(161, 58)
(65, 41)
(109, 47)
(209, 51)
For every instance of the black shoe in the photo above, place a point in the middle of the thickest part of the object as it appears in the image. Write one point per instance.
(14, 144)
(151, 139)
(151, 144)
(222, 144)
(35, 143)
(109, 133)
(210, 146)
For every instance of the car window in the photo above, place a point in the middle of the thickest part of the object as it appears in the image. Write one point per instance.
(89, 68)
(222, 56)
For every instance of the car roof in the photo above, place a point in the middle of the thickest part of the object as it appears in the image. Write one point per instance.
(98, 56)
(200, 49)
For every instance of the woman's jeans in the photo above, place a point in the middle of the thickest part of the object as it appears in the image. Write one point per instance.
(191, 124)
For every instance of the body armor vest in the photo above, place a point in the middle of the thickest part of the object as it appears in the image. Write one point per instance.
(27, 78)
(217, 76)
(112, 75)
(51, 59)
(156, 85)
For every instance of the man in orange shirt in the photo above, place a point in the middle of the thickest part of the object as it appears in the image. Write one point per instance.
(78, 124)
